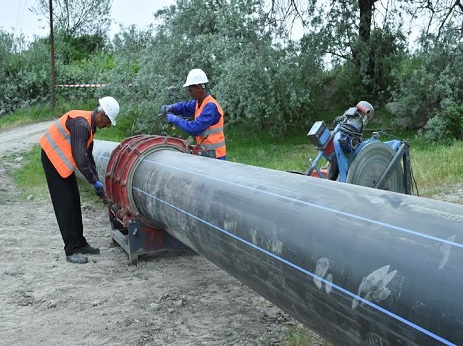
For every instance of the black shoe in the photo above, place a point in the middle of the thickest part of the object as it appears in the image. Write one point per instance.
(77, 258)
(88, 250)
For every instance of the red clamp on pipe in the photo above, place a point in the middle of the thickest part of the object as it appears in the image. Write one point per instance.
(121, 166)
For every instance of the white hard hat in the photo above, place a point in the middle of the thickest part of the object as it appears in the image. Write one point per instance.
(195, 77)
(110, 107)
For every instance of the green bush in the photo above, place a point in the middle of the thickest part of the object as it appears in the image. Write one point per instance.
(445, 128)
(430, 83)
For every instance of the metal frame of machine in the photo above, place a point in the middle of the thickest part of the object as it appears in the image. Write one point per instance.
(343, 148)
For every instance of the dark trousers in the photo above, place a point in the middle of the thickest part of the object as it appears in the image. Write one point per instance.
(65, 196)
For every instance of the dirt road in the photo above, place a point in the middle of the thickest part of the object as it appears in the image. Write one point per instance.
(22, 138)
(166, 299)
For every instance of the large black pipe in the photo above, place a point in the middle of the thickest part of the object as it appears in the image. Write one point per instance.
(359, 266)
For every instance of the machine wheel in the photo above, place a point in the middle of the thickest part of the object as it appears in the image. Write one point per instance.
(370, 163)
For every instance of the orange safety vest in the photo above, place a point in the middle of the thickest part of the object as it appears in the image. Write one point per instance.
(213, 138)
(56, 142)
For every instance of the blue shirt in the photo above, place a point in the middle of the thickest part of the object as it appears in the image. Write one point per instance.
(208, 117)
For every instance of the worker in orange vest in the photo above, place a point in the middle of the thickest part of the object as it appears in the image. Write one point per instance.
(204, 116)
(67, 145)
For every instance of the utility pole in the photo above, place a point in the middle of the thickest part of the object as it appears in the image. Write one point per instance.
(52, 57)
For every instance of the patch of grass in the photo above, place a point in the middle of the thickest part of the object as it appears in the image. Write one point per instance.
(42, 112)
(30, 178)
(116, 133)
(290, 152)
(436, 165)
(299, 335)
(26, 116)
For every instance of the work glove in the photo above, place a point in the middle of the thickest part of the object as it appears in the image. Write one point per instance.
(166, 109)
(99, 190)
(171, 118)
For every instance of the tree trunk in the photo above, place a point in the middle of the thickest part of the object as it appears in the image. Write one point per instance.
(366, 14)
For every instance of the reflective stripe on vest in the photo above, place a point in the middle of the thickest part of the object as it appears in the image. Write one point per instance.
(56, 142)
(213, 146)
(213, 138)
(212, 131)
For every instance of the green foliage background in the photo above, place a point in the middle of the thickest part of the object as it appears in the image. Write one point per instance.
(263, 78)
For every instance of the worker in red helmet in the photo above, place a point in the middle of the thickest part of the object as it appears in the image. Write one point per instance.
(67, 145)
(201, 117)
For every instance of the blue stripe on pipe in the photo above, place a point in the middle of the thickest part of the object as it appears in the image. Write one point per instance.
(353, 295)
(379, 223)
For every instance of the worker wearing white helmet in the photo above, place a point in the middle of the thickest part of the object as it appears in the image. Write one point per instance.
(201, 117)
(196, 77)
(67, 145)
(111, 108)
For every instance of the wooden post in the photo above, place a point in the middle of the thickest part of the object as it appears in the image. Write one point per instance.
(52, 58)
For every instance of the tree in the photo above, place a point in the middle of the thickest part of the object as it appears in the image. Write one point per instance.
(258, 79)
(80, 27)
(24, 71)
(435, 15)
(77, 17)
(431, 85)
(361, 38)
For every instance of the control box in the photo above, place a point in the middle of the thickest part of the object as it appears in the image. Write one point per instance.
(319, 134)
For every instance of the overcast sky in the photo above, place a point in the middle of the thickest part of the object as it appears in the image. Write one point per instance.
(16, 18)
